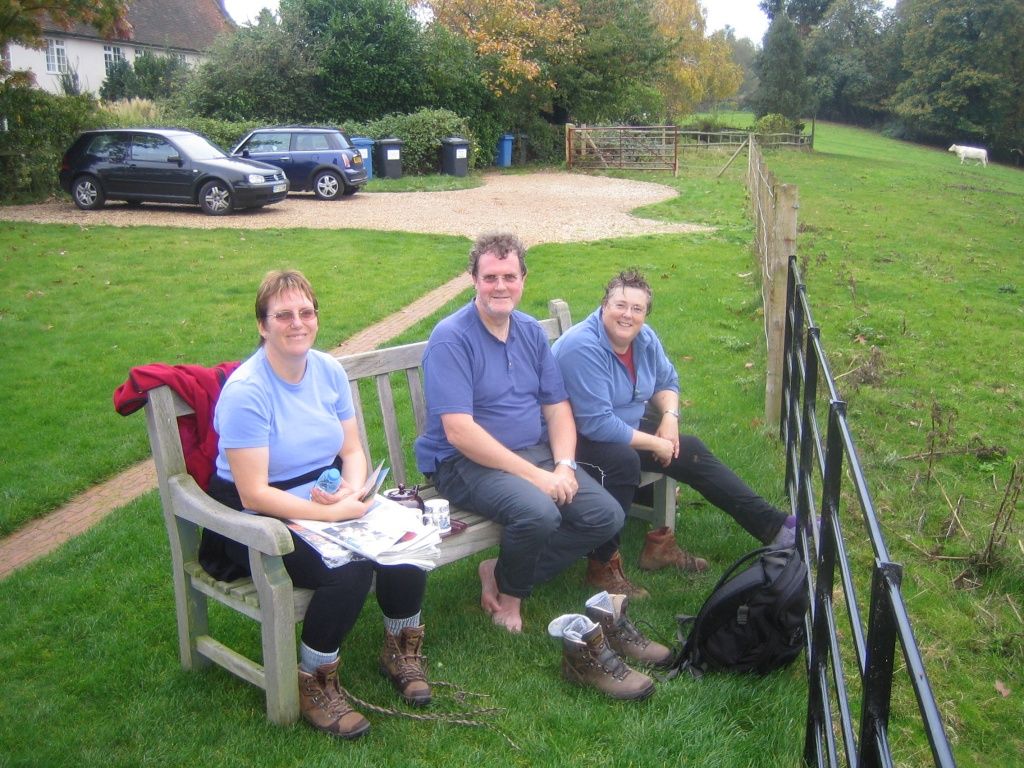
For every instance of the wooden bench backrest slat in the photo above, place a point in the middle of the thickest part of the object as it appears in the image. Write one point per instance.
(389, 417)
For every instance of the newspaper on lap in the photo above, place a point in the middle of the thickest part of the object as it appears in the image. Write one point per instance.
(388, 533)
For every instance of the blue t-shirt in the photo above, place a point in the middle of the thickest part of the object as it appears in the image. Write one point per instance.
(299, 423)
(501, 384)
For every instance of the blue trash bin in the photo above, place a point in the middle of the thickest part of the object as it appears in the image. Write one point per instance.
(365, 147)
(503, 157)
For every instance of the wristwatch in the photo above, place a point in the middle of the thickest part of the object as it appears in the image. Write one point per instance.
(567, 463)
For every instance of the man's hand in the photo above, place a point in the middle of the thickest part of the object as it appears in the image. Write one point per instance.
(560, 484)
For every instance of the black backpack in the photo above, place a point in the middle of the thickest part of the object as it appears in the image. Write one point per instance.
(753, 621)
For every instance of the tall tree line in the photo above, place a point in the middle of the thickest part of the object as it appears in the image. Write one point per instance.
(931, 70)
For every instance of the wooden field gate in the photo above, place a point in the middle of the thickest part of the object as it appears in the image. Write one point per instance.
(637, 148)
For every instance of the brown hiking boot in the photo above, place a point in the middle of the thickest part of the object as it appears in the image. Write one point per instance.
(610, 611)
(661, 551)
(402, 661)
(588, 660)
(324, 706)
(610, 577)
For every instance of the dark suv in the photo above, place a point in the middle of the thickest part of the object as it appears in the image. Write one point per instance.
(322, 160)
(166, 166)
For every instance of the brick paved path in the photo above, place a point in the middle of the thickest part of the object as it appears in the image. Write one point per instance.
(44, 535)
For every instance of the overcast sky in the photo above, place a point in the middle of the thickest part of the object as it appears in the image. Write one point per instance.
(742, 15)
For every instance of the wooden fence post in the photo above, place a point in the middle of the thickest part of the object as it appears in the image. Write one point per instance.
(781, 245)
(569, 128)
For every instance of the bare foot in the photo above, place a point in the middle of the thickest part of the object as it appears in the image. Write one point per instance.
(507, 614)
(488, 586)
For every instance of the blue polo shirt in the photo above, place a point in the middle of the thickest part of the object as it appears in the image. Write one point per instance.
(501, 384)
(606, 404)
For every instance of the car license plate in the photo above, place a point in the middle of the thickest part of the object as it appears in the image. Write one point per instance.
(280, 187)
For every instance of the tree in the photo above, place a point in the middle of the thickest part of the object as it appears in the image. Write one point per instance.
(120, 82)
(721, 75)
(845, 62)
(514, 39)
(965, 71)
(780, 67)
(259, 72)
(743, 53)
(22, 22)
(368, 54)
(618, 58)
(699, 68)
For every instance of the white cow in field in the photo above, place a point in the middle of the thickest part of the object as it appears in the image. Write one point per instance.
(970, 153)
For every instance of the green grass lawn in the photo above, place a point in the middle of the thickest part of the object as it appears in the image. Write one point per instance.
(903, 250)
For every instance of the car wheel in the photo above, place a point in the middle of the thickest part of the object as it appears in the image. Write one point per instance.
(215, 198)
(349, 190)
(327, 185)
(88, 193)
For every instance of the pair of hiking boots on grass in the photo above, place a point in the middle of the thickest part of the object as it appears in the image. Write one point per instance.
(597, 646)
(325, 706)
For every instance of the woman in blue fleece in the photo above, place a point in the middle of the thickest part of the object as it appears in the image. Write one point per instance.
(614, 365)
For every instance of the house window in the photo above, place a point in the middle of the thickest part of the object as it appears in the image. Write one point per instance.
(111, 54)
(56, 56)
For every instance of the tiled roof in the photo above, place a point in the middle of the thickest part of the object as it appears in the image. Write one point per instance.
(187, 25)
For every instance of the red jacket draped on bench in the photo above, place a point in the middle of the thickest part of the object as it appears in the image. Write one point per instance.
(198, 386)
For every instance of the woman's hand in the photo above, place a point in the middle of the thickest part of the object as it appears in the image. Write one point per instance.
(320, 496)
(664, 450)
(348, 508)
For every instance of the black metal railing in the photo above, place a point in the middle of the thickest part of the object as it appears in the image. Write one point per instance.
(818, 464)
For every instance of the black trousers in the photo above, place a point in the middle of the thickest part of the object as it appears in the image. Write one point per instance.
(618, 467)
(338, 593)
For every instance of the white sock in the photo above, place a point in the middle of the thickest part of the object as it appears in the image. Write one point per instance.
(310, 660)
(395, 626)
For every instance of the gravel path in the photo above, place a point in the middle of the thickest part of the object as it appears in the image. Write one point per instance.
(539, 207)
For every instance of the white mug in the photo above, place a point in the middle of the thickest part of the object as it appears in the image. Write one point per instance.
(440, 514)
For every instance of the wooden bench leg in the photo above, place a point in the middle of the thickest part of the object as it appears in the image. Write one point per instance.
(190, 603)
(665, 503)
(280, 667)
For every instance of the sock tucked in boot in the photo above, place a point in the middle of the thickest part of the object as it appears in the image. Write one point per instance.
(402, 661)
(661, 551)
(611, 578)
(610, 611)
(588, 660)
(324, 706)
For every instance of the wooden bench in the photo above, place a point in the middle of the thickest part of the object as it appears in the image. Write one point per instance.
(392, 379)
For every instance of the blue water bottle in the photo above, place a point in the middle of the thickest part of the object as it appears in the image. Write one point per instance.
(329, 480)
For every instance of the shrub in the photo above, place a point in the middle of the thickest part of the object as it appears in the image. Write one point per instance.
(40, 127)
(774, 123)
(421, 133)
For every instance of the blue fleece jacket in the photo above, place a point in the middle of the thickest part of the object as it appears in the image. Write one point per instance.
(606, 405)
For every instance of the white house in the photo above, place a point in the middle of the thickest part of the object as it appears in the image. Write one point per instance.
(183, 28)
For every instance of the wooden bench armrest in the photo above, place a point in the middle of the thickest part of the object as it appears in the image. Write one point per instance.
(264, 534)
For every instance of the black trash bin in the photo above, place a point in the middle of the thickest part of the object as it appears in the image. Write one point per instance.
(388, 160)
(454, 156)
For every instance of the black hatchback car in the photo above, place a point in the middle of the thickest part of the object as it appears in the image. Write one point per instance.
(322, 160)
(165, 166)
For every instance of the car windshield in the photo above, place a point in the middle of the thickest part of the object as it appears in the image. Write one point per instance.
(197, 147)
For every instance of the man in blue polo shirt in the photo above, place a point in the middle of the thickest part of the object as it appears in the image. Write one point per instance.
(500, 437)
